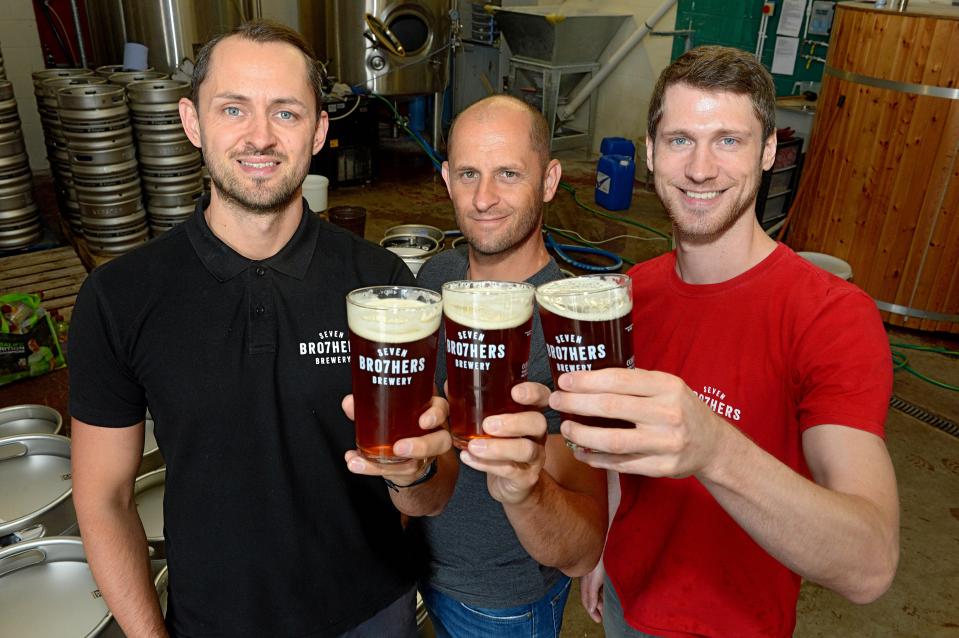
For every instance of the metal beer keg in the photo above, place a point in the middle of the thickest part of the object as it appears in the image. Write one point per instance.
(37, 495)
(19, 216)
(96, 124)
(148, 494)
(47, 591)
(170, 164)
(151, 459)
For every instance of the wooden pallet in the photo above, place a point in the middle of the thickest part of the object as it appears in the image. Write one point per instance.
(55, 274)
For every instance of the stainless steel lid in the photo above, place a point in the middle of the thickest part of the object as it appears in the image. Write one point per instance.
(47, 591)
(35, 475)
(416, 229)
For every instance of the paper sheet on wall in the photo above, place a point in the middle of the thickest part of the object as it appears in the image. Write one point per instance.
(784, 57)
(790, 17)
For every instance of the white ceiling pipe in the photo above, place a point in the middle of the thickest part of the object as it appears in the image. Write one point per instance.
(567, 112)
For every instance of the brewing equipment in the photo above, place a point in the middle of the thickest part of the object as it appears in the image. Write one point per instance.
(172, 30)
(886, 204)
(389, 47)
(553, 50)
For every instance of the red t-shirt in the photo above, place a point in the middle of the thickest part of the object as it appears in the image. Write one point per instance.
(779, 349)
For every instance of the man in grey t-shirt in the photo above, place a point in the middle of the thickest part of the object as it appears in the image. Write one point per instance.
(525, 515)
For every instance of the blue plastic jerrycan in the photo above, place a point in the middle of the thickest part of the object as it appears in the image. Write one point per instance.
(614, 181)
(617, 146)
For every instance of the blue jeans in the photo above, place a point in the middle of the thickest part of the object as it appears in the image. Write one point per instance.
(541, 619)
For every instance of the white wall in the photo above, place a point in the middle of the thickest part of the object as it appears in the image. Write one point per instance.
(20, 45)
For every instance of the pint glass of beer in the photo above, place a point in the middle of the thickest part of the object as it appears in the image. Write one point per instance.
(393, 333)
(587, 323)
(488, 328)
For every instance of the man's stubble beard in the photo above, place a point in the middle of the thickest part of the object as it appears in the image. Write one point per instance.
(531, 220)
(257, 200)
(704, 231)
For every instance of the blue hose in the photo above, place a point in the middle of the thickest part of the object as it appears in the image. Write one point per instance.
(561, 251)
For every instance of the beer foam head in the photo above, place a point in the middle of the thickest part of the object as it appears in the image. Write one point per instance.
(488, 305)
(588, 298)
(392, 314)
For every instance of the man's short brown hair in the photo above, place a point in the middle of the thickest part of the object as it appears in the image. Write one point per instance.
(262, 31)
(717, 68)
(538, 127)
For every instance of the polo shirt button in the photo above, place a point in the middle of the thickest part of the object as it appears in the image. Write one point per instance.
(260, 310)
(260, 270)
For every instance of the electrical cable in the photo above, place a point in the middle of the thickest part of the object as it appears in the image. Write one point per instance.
(569, 188)
(561, 251)
(599, 242)
(66, 34)
(45, 10)
(402, 123)
(900, 362)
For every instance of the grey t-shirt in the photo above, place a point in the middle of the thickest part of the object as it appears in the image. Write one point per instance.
(473, 553)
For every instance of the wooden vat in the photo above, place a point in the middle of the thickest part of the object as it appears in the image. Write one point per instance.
(880, 187)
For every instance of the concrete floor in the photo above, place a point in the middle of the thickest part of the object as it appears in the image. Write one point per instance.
(923, 600)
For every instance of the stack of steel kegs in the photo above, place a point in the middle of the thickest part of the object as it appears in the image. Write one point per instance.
(19, 215)
(96, 124)
(170, 166)
(56, 144)
(58, 153)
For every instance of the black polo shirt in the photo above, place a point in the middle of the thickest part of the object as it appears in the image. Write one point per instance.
(244, 365)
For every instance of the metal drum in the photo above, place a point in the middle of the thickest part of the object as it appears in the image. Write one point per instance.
(47, 591)
(46, 74)
(29, 419)
(20, 227)
(417, 229)
(91, 97)
(148, 495)
(106, 70)
(37, 495)
(151, 459)
(414, 250)
(126, 77)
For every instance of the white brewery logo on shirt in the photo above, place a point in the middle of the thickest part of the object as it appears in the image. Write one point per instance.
(329, 347)
(716, 400)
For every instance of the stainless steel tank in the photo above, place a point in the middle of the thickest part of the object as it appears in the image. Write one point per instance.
(107, 33)
(391, 47)
(172, 30)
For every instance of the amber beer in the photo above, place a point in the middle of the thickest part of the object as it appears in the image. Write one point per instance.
(393, 333)
(587, 324)
(488, 326)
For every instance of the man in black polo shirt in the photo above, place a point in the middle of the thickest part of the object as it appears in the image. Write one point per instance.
(233, 328)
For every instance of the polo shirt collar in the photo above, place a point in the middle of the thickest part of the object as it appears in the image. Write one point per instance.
(224, 263)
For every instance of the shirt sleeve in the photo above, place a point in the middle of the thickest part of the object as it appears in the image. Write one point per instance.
(845, 365)
(103, 390)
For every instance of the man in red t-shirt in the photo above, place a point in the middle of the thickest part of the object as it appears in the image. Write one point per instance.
(759, 395)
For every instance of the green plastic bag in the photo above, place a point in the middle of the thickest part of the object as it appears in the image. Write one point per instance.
(29, 345)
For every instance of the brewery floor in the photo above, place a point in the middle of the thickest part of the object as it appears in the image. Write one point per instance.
(923, 599)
